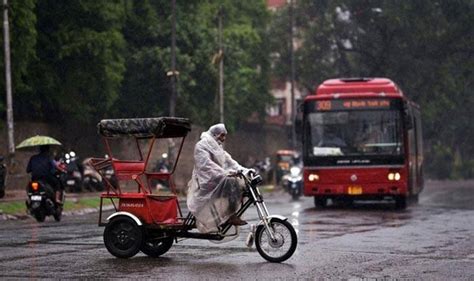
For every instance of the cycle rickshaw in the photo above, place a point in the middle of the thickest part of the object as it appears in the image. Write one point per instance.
(150, 222)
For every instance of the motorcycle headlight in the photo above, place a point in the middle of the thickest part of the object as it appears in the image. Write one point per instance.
(295, 171)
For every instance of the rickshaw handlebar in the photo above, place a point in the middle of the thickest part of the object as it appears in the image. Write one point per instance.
(248, 176)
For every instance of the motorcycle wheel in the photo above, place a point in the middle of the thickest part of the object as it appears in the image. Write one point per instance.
(87, 183)
(39, 215)
(58, 214)
(295, 196)
(99, 186)
(284, 245)
(156, 247)
(78, 187)
(123, 237)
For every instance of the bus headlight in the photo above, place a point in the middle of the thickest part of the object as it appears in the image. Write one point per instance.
(394, 176)
(313, 177)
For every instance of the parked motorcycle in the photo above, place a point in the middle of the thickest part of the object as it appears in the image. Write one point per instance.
(294, 182)
(265, 169)
(92, 180)
(108, 175)
(72, 180)
(3, 175)
(41, 201)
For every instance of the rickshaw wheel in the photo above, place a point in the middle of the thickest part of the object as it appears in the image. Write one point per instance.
(280, 249)
(156, 247)
(123, 237)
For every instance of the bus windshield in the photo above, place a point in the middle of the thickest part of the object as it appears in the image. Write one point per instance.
(354, 133)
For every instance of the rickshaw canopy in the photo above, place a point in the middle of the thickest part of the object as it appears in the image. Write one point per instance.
(159, 127)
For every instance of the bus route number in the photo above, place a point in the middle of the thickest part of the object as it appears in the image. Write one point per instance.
(324, 105)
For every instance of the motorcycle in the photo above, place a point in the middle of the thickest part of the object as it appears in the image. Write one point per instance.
(3, 175)
(108, 175)
(72, 180)
(92, 180)
(294, 182)
(41, 201)
(264, 168)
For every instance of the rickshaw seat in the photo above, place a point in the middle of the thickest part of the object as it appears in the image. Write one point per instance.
(163, 208)
(128, 169)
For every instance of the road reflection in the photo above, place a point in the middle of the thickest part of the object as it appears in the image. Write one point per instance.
(337, 220)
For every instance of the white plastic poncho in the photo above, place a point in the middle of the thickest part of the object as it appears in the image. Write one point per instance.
(213, 196)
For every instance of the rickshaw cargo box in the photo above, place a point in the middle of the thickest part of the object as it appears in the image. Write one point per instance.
(151, 208)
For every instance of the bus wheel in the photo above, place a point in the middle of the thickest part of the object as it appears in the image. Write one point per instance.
(320, 202)
(401, 202)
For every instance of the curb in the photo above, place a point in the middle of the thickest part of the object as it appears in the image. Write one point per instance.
(74, 196)
(4, 217)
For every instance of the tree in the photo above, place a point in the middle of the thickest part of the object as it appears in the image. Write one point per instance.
(22, 45)
(425, 46)
(146, 88)
(80, 63)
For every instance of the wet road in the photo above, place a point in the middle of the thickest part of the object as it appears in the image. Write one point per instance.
(432, 240)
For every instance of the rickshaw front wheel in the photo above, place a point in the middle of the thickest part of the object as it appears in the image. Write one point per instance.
(123, 237)
(156, 247)
(282, 247)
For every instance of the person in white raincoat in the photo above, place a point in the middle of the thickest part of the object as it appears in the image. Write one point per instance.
(214, 193)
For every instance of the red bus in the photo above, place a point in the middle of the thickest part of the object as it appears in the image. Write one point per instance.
(362, 140)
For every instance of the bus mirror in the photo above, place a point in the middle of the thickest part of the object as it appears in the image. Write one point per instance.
(407, 116)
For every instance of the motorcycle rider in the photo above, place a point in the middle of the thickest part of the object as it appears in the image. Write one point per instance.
(42, 167)
(214, 193)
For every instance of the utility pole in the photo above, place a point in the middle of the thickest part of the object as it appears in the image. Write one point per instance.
(292, 77)
(221, 70)
(173, 73)
(8, 79)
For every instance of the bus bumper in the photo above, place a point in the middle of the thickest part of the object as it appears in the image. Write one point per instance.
(359, 191)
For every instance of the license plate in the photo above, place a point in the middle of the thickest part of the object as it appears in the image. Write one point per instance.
(354, 190)
(70, 182)
(36, 197)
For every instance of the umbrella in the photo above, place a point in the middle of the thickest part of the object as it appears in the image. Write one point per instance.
(37, 141)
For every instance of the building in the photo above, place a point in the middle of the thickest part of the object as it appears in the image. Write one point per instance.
(279, 113)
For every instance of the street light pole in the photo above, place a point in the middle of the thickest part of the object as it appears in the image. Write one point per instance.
(221, 71)
(173, 71)
(292, 77)
(8, 79)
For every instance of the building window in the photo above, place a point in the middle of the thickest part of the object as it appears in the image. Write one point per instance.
(276, 109)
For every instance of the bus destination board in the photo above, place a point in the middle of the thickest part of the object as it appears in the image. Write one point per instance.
(353, 104)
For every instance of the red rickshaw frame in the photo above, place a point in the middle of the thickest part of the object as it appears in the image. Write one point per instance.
(144, 204)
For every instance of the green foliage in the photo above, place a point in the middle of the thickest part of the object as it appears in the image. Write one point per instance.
(23, 33)
(83, 60)
(425, 46)
(82, 54)
(146, 88)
